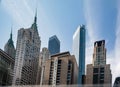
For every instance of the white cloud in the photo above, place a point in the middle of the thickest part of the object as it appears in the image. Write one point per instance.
(114, 56)
(115, 61)
(92, 22)
(90, 30)
(19, 10)
(93, 27)
(22, 13)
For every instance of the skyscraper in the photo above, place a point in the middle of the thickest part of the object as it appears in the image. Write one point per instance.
(99, 55)
(54, 45)
(27, 55)
(79, 51)
(9, 47)
(99, 72)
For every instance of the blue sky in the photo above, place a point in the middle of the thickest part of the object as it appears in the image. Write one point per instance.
(61, 18)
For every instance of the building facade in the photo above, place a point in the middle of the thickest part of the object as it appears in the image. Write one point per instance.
(99, 72)
(79, 51)
(6, 68)
(44, 55)
(54, 45)
(61, 69)
(9, 47)
(27, 56)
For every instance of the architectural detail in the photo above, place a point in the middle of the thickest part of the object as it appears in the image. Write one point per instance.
(79, 51)
(6, 69)
(99, 72)
(61, 69)
(99, 55)
(9, 47)
(27, 56)
(54, 45)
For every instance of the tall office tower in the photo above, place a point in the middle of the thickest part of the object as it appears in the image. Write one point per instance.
(27, 55)
(61, 69)
(79, 51)
(99, 55)
(9, 47)
(6, 69)
(44, 55)
(117, 82)
(54, 45)
(99, 72)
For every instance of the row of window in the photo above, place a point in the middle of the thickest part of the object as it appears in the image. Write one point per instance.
(69, 73)
(98, 76)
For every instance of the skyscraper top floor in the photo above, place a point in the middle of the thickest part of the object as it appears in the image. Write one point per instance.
(54, 37)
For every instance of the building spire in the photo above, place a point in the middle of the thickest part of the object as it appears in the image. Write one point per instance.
(11, 34)
(9, 46)
(35, 19)
(34, 25)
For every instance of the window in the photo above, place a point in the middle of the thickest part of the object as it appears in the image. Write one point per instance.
(52, 63)
(68, 81)
(101, 81)
(59, 61)
(98, 49)
(102, 70)
(95, 70)
(95, 79)
(102, 76)
(57, 82)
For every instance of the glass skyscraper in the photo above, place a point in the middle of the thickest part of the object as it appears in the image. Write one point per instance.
(79, 51)
(54, 45)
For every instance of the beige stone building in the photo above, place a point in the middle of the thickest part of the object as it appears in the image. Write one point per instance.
(99, 72)
(44, 55)
(61, 69)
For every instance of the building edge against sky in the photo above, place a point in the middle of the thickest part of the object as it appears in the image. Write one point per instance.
(79, 38)
(27, 54)
(99, 72)
(9, 47)
(61, 69)
(54, 45)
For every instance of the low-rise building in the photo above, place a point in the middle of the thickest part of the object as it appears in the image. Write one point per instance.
(6, 68)
(61, 69)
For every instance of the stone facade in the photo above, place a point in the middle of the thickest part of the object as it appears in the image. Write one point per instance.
(102, 77)
(44, 55)
(99, 72)
(61, 69)
(6, 69)
(27, 56)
